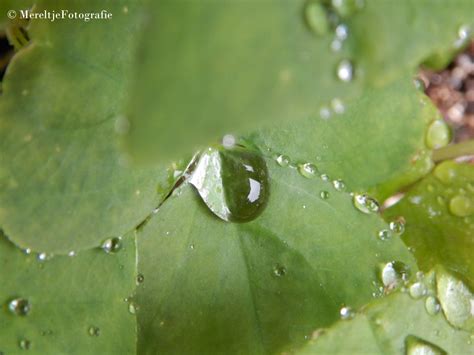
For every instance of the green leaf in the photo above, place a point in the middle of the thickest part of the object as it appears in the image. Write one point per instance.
(63, 185)
(262, 286)
(362, 145)
(215, 67)
(439, 221)
(395, 324)
(392, 38)
(67, 297)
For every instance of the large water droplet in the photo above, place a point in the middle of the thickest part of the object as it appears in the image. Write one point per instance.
(417, 346)
(397, 226)
(417, 290)
(308, 170)
(233, 183)
(394, 274)
(446, 171)
(365, 204)
(112, 245)
(315, 17)
(432, 305)
(457, 301)
(345, 70)
(461, 206)
(438, 134)
(19, 306)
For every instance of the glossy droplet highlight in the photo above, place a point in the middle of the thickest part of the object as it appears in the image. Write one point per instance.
(342, 32)
(457, 301)
(140, 278)
(112, 245)
(346, 313)
(384, 234)
(94, 331)
(324, 195)
(417, 346)
(438, 134)
(446, 172)
(283, 160)
(315, 17)
(365, 204)
(24, 344)
(308, 170)
(19, 306)
(432, 305)
(461, 206)
(279, 270)
(345, 70)
(339, 185)
(394, 273)
(233, 183)
(338, 106)
(417, 290)
(397, 226)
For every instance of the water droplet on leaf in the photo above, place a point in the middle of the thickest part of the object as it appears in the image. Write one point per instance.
(384, 234)
(417, 346)
(140, 278)
(365, 204)
(417, 290)
(315, 17)
(283, 160)
(19, 306)
(112, 245)
(94, 331)
(233, 183)
(339, 185)
(346, 313)
(394, 274)
(324, 195)
(432, 305)
(345, 70)
(397, 226)
(307, 170)
(279, 270)
(461, 206)
(338, 106)
(24, 344)
(342, 31)
(438, 134)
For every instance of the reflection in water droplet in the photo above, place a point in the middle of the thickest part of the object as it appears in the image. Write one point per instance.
(394, 274)
(397, 226)
(345, 70)
(279, 270)
(365, 204)
(228, 141)
(339, 185)
(24, 344)
(324, 177)
(315, 18)
(384, 234)
(461, 206)
(432, 305)
(283, 160)
(438, 134)
(43, 257)
(94, 331)
(342, 32)
(19, 306)
(307, 170)
(112, 245)
(140, 278)
(457, 301)
(419, 84)
(417, 346)
(464, 33)
(446, 171)
(417, 290)
(233, 183)
(324, 195)
(346, 313)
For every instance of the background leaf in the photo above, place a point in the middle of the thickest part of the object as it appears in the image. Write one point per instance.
(262, 286)
(68, 296)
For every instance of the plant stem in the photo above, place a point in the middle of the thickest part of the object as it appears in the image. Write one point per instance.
(453, 151)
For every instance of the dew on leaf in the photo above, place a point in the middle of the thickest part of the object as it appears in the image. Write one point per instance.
(336, 45)
(307, 170)
(19, 306)
(112, 245)
(397, 226)
(446, 172)
(345, 70)
(228, 141)
(233, 183)
(464, 33)
(337, 106)
(283, 160)
(417, 290)
(324, 177)
(394, 273)
(365, 203)
(461, 206)
(339, 185)
(417, 346)
(342, 31)
(24, 344)
(457, 301)
(325, 112)
(279, 270)
(324, 195)
(432, 305)
(27, 251)
(43, 257)
(419, 84)
(71, 253)
(140, 278)
(384, 234)
(346, 8)
(93, 331)
(315, 18)
(346, 313)
(438, 134)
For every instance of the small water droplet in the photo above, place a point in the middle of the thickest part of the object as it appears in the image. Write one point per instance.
(94, 331)
(365, 203)
(283, 160)
(446, 171)
(307, 170)
(191, 246)
(342, 31)
(43, 257)
(336, 45)
(457, 301)
(122, 125)
(279, 270)
(24, 344)
(228, 141)
(27, 251)
(432, 305)
(112, 245)
(324, 195)
(140, 278)
(397, 226)
(464, 33)
(324, 177)
(394, 274)
(19, 306)
(346, 313)
(315, 18)
(417, 346)
(419, 84)
(438, 134)
(384, 234)
(345, 70)
(339, 185)
(325, 112)
(417, 290)
(461, 206)
(71, 253)
(338, 106)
